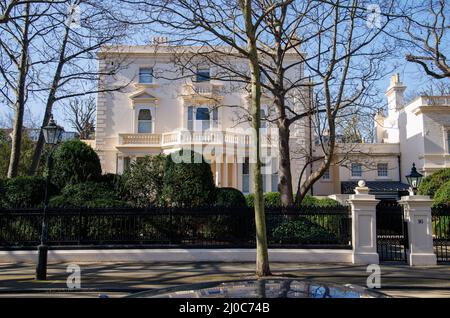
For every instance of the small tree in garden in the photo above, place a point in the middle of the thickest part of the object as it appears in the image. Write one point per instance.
(229, 198)
(75, 162)
(189, 182)
(143, 181)
(24, 192)
(431, 184)
(442, 195)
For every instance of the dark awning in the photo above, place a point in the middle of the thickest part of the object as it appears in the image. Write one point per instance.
(382, 188)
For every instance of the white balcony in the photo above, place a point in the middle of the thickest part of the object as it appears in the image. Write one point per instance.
(140, 140)
(181, 138)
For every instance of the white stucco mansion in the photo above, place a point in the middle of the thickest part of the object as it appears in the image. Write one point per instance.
(165, 107)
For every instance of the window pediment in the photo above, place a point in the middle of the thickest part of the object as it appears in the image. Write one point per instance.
(143, 97)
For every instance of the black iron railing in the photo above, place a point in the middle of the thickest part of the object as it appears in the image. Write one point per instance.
(441, 233)
(163, 227)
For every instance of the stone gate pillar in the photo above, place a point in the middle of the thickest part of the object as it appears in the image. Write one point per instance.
(418, 216)
(364, 233)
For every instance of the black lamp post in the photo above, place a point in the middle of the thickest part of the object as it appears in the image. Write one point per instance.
(414, 178)
(52, 135)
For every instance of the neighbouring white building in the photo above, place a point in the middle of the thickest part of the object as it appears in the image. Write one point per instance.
(416, 132)
(166, 107)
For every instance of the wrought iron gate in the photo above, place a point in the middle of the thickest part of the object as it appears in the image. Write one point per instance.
(441, 233)
(392, 232)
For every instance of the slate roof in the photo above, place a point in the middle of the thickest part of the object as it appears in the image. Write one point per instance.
(347, 187)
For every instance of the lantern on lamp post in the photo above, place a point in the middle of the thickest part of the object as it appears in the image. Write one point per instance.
(414, 178)
(52, 135)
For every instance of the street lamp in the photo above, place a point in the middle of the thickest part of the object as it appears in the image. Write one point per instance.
(52, 135)
(414, 179)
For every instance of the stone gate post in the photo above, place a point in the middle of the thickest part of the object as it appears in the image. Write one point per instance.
(417, 209)
(364, 233)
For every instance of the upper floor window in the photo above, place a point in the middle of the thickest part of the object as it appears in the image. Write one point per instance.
(356, 170)
(145, 75)
(326, 175)
(448, 141)
(145, 122)
(203, 74)
(382, 169)
(202, 118)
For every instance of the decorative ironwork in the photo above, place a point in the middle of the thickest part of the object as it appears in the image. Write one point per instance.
(201, 227)
(441, 233)
(392, 232)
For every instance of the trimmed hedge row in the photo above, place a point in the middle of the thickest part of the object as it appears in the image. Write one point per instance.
(273, 200)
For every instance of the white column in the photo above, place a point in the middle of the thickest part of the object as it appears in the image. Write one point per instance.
(364, 232)
(418, 217)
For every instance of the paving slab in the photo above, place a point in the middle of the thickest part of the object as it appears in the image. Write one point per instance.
(121, 279)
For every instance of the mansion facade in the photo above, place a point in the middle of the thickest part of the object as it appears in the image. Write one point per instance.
(164, 106)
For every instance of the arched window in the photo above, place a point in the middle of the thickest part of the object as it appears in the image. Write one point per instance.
(145, 123)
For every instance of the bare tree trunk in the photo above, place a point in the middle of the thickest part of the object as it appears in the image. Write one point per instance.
(285, 185)
(20, 100)
(262, 254)
(49, 106)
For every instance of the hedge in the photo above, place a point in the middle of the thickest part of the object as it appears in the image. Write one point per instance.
(25, 192)
(302, 231)
(75, 162)
(229, 197)
(432, 183)
(188, 182)
(273, 200)
(442, 196)
(143, 181)
(87, 194)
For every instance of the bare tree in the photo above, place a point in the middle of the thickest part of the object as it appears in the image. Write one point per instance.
(345, 62)
(428, 32)
(16, 47)
(231, 30)
(80, 114)
(73, 54)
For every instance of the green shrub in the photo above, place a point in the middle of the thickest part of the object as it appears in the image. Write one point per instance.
(75, 162)
(187, 182)
(302, 231)
(84, 194)
(273, 200)
(143, 181)
(114, 181)
(25, 192)
(442, 195)
(250, 200)
(229, 197)
(2, 192)
(432, 183)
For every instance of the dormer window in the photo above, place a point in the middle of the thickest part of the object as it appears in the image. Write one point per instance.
(145, 122)
(145, 75)
(203, 74)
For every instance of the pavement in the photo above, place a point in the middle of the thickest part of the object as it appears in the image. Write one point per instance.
(122, 279)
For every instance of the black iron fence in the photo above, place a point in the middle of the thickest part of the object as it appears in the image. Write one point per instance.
(441, 233)
(162, 227)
